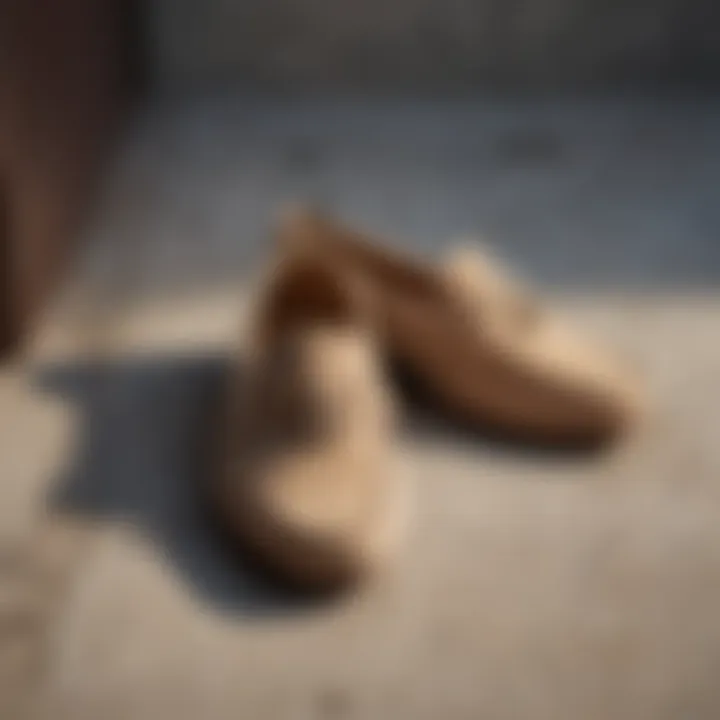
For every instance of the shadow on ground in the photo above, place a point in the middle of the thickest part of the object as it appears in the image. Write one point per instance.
(142, 457)
(144, 454)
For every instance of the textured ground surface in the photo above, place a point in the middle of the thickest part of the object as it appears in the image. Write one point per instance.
(535, 586)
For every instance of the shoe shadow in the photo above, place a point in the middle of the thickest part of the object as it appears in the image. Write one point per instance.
(143, 456)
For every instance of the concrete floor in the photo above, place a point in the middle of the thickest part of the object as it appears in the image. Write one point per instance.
(535, 586)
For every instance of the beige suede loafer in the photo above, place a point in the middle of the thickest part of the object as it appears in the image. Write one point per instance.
(484, 349)
(309, 483)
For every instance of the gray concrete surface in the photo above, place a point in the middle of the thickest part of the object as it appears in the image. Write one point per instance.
(535, 585)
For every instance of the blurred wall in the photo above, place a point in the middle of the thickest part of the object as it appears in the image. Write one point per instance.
(434, 44)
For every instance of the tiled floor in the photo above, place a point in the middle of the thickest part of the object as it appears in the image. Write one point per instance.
(536, 586)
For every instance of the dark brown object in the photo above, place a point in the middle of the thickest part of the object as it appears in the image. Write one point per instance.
(61, 92)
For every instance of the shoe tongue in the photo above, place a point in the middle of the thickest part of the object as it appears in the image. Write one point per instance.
(486, 287)
(323, 375)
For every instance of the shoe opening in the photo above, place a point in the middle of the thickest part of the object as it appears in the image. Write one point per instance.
(307, 293)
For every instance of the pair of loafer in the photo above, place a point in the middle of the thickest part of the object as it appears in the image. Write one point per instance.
(307, 479)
